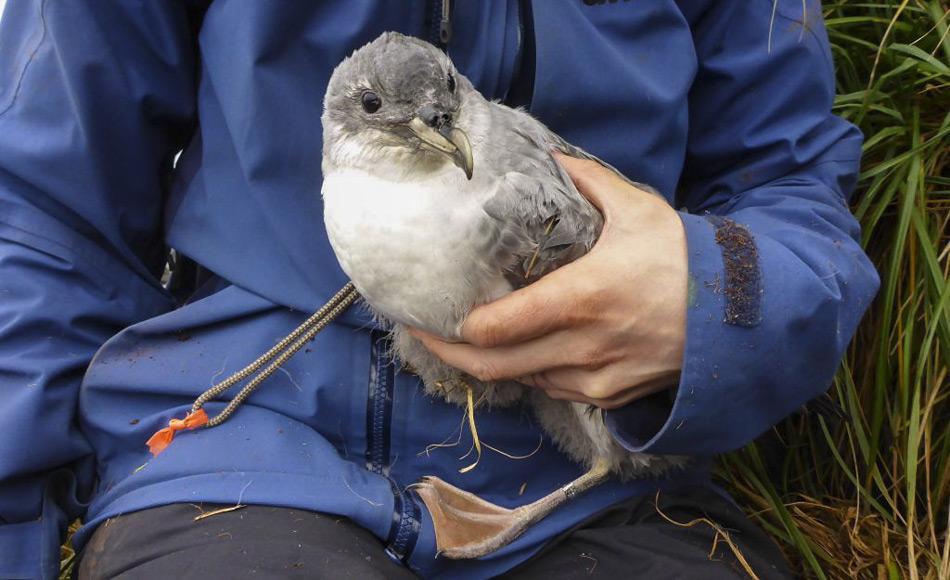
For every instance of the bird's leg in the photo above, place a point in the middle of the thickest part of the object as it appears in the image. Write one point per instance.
(467, 526)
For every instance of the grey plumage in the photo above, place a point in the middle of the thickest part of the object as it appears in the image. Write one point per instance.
(529, 218)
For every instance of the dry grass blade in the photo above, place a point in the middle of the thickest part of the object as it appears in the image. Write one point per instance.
(721, 534)
(220, 511)
(476, 441)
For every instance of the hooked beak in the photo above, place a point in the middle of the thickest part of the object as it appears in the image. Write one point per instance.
(448, 140)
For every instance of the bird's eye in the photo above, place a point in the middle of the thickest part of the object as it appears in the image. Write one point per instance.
(371, 102)
(451, 83)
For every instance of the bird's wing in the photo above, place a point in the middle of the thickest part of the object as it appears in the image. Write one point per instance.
(545, 221)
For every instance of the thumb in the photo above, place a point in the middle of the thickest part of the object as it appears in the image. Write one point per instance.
(592, 179)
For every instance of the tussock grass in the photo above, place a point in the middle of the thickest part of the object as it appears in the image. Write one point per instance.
(858, 484)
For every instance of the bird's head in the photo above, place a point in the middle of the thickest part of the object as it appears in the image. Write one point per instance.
(397, 100)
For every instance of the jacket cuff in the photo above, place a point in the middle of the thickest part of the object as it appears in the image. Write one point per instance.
(721, 311)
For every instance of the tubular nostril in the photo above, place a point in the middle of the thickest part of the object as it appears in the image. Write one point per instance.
(434, 116)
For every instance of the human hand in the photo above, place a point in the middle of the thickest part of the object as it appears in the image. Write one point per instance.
(606, 329)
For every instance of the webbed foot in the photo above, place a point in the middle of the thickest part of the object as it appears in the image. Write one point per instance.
(466, 526)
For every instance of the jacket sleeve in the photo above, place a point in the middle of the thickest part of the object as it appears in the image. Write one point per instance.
(95, 99)
(778, 281)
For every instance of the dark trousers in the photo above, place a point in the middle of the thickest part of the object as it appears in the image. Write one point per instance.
(630, 540)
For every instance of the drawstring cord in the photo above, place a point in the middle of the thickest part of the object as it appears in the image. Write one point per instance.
(276, 356)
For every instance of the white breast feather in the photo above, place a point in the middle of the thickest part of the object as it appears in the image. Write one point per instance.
(414, 249)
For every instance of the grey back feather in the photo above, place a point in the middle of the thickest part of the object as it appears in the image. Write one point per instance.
(546, 221)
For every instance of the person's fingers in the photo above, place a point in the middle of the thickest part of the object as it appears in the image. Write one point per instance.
(564, 298)
(602, 388)
(592, 179)
(608, 404)
(500, 363)
(603, 187)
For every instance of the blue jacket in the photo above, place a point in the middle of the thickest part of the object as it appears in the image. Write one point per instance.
(723, 110)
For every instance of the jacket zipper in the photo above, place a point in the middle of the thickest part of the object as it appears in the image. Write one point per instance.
(440, 22)
(379, 407)
(445, 24)
(404, 530)
(521, 87)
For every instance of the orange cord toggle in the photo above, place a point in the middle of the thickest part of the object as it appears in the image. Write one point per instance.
(163, 437)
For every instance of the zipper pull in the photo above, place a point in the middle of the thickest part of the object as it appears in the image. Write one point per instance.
(445, 25)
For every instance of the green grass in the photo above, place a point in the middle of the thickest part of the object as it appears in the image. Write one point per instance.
(858, 485)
